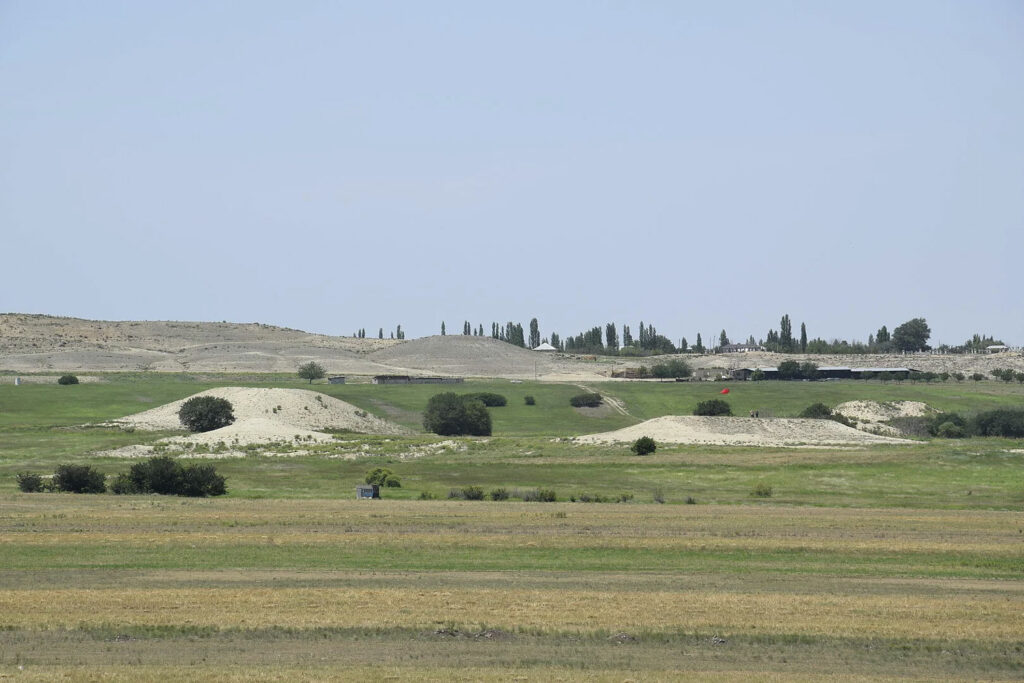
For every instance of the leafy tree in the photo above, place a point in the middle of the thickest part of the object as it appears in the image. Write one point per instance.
(449, 415)
(399, 334)
(674, 368)
(808, 371)
(683, 346)
(699, 346)
(611, 337)
(644, 445)
(803, 338)
(534, 333)
(723, 339)
(442, 328)
(785, 334)
(1005, 422)
(205, 413)
(382, 476)
(789, 369)
(164, 475)
(715, 406)
(627, 336)
(311, 371)
(201, 480)
(79, 479)
(29, 482)
(380, 333)
(556, 341)
(529, 400)
(912, 335)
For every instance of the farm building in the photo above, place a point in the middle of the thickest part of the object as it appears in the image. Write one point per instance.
(408, 379)
(739, 348)
(337, 379)
(997, 348)
(830, 372)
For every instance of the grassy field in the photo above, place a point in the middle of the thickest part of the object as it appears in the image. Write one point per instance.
(888, 562)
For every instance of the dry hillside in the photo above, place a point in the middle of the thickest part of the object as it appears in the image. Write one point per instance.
(48, 344)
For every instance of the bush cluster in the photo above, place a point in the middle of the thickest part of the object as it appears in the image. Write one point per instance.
(67, 379)
(673, 368)
(715, 406)
(450, 415)
(529, 400)
(491, 400)
(205, 413)
(588, 400)
(79, 479)
(166, 476)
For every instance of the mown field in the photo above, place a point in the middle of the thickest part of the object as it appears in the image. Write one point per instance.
(888, 562)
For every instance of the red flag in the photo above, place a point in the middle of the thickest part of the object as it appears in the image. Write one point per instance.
(724, 391)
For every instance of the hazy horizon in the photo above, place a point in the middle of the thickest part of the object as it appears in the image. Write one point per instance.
(335, 166)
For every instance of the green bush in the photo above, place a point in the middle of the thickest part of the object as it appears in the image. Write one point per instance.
(673, 368)
(448, 415)
(67, 379)
(472, 493)
(546, 496)
(499, 494)
(29, 482)
(163, 475)
(588, 400)
(79, 479)
(816, 411)
(201, 480)
(205, 413)
(489, 399)
(762, 491)
(949, 430)
(644, 445)
(1004, 422)
(382, 476)
(715, 406)
(529, 400)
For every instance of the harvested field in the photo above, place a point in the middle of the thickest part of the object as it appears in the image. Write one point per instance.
(741, 431)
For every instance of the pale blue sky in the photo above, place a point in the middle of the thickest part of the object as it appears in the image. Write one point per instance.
(334, 165)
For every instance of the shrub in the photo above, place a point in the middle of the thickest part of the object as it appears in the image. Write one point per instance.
(201, 480)
(673, 368)
(659, 495)
(690, 500)
(1001, 422)
(489, 399)
(79, 479)
(499, 494)
(546, 496)
(205, 413)
(427, 495)
(977, 377)
(67, 379)
(762, 491)
(529, 400)
(448, 415)
(382, 476)
(29, 482)
(936, 421)
(715, 406)
(472, 493)
(123, 485)
(588, 400)
(817, 411)
(643, 446)
(949, 430)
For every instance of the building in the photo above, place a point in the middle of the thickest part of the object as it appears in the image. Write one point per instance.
(997, 348)
(739, 348)
(545, 347)
(337, 379)
(407, 379)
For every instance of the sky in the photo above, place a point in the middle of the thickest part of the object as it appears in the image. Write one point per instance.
(331, 166)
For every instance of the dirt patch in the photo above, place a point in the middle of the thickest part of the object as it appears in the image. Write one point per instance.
(741, 431)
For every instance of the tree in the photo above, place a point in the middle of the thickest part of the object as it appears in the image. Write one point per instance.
(723, 339)
(311, 371)
(382, 476)
(611, 337)
(683, 346)
(205, 413)
(644, 445)
(627, 336)
(380, 333)
(442, 328)
(912, 335)
(67, 379)
(556, 341)
(785, 334)
(803, 338)
(449, 415)
(699, 346)
(534, 333)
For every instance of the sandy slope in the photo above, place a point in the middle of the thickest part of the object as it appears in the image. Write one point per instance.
(263, 415)
(741, 431)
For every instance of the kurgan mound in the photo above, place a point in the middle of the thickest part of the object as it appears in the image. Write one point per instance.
(873, 411)
(742, 431)
(263, 415)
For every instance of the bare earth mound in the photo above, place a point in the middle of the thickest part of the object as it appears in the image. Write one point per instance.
(742, 431)
(266, 415)
(873, 411)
